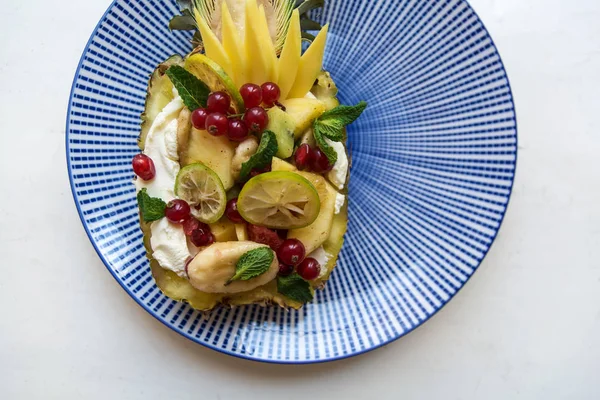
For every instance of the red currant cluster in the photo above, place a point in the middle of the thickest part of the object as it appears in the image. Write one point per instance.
(178, 211)
(312, 158)
(218, 118)
(292, 254)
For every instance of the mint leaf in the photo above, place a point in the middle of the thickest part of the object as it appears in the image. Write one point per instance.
(192, 90)
(331, 125)
(252, 264)
(295, 288)
(263, 156)
(344, 114)
(152, 208)
(323, 145)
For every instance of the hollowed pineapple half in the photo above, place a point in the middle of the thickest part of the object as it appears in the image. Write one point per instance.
(195, 146)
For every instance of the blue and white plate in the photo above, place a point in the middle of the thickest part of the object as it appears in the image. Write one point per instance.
(433, 166)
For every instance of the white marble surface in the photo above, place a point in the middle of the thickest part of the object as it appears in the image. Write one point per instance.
(527, 326)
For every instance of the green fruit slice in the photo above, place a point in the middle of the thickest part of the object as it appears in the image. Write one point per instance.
(215, 78)
(203, 190)
(279, 200)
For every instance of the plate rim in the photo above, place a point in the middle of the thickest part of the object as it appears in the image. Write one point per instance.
(279, 361)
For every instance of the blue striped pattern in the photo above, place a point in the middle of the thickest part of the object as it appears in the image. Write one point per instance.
(434, 160)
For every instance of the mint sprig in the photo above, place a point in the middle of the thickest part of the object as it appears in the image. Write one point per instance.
(152, 208)
(295, 288)
(252, 264)
(263, 156)
(331, 125)
(192, 90)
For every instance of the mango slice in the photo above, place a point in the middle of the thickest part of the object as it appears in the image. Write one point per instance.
(310, 65)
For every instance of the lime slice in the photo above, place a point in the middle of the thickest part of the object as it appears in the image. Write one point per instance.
(203, 190)
(280, 200)
(214, 77)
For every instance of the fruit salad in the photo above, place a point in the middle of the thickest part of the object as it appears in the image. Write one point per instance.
(242, 177)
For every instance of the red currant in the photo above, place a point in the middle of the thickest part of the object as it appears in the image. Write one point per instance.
(309, 269)
(190, 225)
(256, 119)
(291, 252)
(199, 118)
(285, 270)
(238, 131)
(143, 166)
(303, 156)
(202, 237)
(177, 211)
(270, 93)
(252, 95)
(218, 102)
(232, 212)
(319, 162)
(217, 124)
(258, 171)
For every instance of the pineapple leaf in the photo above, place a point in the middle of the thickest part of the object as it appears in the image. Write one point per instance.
(185, 5)
(182, 23)
(307, 37)
(307, 24)
(308, 5)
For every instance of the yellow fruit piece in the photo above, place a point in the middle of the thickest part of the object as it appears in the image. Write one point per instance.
(335, 241)
(256, 71)
(212, 46)
(240, 232)
(290, 56)
(310, 65)
(232, 44)
(223, 230)
(266, 46)
(216, 152)
(277, 164)
(303, 112)
(315, 234)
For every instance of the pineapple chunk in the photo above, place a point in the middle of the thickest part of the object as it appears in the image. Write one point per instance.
(212, 46)
(310, 65)
(223, 230)
(216, 152)
(277, 164)
(315, 234)
(303, 112)
(290, 56)
(232, 44)
(240, 232)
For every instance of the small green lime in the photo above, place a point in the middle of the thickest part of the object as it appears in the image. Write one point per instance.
(279, 200)
(202, 189)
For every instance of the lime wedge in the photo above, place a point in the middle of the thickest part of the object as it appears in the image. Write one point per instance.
(280, 200)
(214, 77)
(203, 190)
